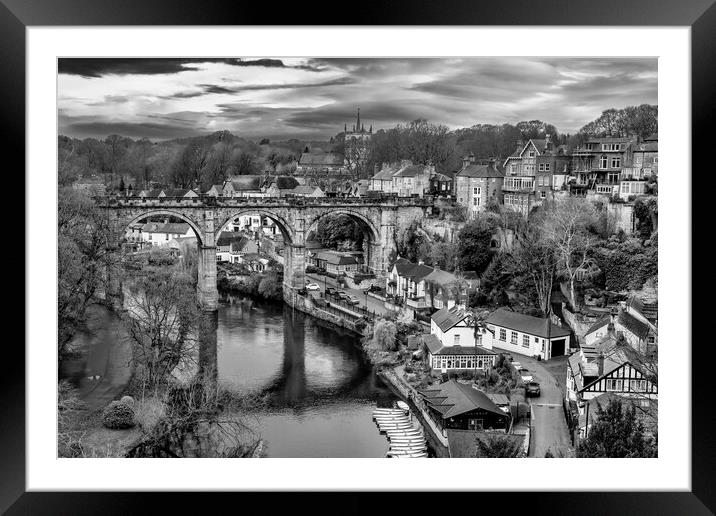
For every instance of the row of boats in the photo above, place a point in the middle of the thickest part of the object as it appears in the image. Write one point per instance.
(406, 441)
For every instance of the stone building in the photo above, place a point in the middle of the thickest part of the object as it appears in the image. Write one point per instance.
(476, 184)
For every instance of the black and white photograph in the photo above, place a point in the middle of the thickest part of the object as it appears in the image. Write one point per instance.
(358, 257)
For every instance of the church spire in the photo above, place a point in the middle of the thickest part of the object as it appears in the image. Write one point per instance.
(358, 122)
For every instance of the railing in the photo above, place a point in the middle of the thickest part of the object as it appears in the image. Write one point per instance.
(521, 185)
(416, 302)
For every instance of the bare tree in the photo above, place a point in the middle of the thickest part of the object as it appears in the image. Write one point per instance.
(163, 321)
(566, 226)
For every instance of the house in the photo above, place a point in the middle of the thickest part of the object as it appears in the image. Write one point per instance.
(160, 233)
(597, 165)
(243, 186)
(530, 173)
(254, 262)
(527, 335)
(638, 331)
(412, 180)
(224, 243)
(279, 186)
(307, 191)
(609, 366)
(645, 159)
(318, 163)
(476, 184)
(407, 282)
(152, 193)
(336, 263)
(383, 180)
(215, 191)
(442, 185)
(631, 187)
(455, 405)
(646, 411)
(454, 344)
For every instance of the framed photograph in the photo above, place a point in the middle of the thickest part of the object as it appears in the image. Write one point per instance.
(297, 251)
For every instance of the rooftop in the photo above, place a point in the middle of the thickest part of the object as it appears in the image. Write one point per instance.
(527, 324)
(446, 318)
(459, 398)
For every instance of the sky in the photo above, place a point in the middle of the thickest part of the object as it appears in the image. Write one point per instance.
(312, 98)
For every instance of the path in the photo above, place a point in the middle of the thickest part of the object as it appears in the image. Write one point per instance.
(549, 427)
(373, 304)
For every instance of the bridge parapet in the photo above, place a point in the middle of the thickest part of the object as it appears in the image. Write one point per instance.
(261, 202)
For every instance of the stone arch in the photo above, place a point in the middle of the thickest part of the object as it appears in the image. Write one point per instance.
(283, 226)
(170, 213)
(363, 221)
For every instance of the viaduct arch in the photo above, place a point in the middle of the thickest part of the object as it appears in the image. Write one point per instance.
(295, 218)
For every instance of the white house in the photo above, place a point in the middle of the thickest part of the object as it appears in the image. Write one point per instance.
(527, 335)
(160, 233)
(452, 345)
(640, 333)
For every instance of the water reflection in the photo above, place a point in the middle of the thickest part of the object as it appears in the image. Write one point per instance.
(320, 387)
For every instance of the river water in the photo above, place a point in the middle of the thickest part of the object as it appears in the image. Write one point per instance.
(321, 390)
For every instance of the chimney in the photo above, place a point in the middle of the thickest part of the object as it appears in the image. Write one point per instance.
(472, 158)
(492, 161)
(547, 142)
(600, 364)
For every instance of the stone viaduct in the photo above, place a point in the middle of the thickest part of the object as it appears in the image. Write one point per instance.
(296, 218)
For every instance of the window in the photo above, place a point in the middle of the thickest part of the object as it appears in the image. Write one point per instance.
(541, 167)
(526, 341)
(457, 340)
(513, 337)
(546, 167)
(603, 162)
(543, 194)
(616, 162)
(532, 154)
(503, 334)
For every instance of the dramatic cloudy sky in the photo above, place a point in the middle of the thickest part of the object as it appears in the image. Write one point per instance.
(313, 98)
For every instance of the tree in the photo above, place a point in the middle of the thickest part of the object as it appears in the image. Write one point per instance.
(186, 171)
(566, 228)
(85, 254)
(532, 265)
(474, 251)
(631, 121)
(384, 333)
(497, 446)
(617, 433)
(163, 319)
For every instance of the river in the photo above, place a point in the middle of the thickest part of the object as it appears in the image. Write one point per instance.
(321, 389)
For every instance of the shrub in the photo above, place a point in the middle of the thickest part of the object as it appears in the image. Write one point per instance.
(128, 400)
(148, 413)
(118, 415)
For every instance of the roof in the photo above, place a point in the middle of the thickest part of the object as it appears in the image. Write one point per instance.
(527, 324)
(321, 158)
(432, 343)
(178, 228)
(384, 175)
(650, 310)
(446, 318)
(480, 171)
(498, 399)
(418, 272)
(440, 277)
(464, 350)
(603, 321)
(336, 258)
(460, 398)
(177, 192)
(652, 137)
(246, 182)
(226, 237)
(634, 325)
(412, 171)
(305, 190)
(402, 265)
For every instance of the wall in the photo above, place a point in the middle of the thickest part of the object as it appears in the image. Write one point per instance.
(535, 348)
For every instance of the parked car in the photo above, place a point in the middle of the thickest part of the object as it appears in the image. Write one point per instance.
(525, 374)
(532, 389)
(352, 300)
(330, 291)
(516, 365)
(342, 295)
(312, 286)
(372, 288)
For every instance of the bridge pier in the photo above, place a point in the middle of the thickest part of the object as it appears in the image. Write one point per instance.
(294, 269)
(207, 292)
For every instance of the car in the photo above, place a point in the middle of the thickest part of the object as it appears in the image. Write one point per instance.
(312, 286)
(525, 374)
(516, 365)
(330, 291)
(352, 300)
(532, 389)
(342, 295)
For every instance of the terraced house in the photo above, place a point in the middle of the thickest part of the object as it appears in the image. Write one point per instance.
(597, 165)
(532, 172)
(476, 184)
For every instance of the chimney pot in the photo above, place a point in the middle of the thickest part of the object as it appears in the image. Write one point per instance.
(600, 364)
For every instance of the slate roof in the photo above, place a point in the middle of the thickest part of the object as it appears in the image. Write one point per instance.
(460, 398)
(337, 259)
(226, 237)
(527, 324)
(446, 318)
(247, 182)
(178, 228)
(305, 190)
(480, 171)
(634, 325)
(418, 272)
(385, 174)
(440, 277)
(648, 310)
(602, 321)
(412, 171)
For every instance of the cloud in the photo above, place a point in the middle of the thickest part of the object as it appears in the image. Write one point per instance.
(99, 67)
(281, 97)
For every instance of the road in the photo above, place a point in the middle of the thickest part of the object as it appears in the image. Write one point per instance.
(373, 304)
(549, 427)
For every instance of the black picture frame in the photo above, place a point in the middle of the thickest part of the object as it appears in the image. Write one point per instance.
(700, 15)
